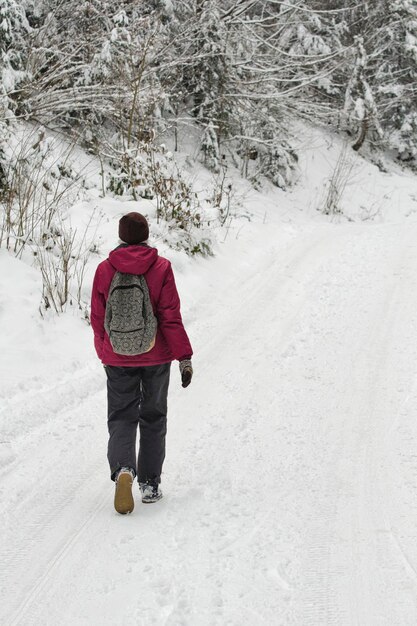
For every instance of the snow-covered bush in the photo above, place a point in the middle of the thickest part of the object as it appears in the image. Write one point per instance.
(150, 171)
(61, 255)
(37, 183)
(279, 163)
(4, 131)
(403, 138)
(265, 141)
(222, 195)
(335, 187)
(39, 186)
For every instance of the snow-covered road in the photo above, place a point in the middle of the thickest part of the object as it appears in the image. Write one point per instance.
(291, 476)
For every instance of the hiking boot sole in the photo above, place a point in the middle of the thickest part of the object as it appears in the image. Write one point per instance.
(123, 498)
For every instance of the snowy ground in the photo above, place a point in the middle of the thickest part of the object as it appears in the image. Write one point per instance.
(291, 476)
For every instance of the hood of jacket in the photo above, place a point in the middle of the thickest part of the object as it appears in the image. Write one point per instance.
(135, 259)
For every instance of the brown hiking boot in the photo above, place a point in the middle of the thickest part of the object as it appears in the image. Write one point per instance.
(123, 498)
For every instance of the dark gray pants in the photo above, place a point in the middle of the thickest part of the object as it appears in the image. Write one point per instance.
(137, 395)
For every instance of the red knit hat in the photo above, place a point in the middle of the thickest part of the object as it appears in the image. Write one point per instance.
(133, 228)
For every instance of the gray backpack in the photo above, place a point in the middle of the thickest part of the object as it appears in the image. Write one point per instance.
(130, 322)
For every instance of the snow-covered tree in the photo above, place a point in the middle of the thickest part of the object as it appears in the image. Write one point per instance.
(210, 148)
(360, 110)
(210, 68)
(397, 78)
(14, 27)
(129, 69)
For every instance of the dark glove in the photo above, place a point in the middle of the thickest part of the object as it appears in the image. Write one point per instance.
(186, 371)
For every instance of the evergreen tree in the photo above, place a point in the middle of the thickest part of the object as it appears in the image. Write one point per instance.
(397, 76)
(13, 51)
(360, 109)
(208, 73)
(210, 148)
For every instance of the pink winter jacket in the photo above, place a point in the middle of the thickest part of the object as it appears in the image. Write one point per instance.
(171, 339)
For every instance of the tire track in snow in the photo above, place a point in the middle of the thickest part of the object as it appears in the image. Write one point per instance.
(229, 433)
(383, 457)
(385, 476)
(33, 406)
(38, 513)
(384, 395)
(277, 285)
(23, 615)
(343, 562)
